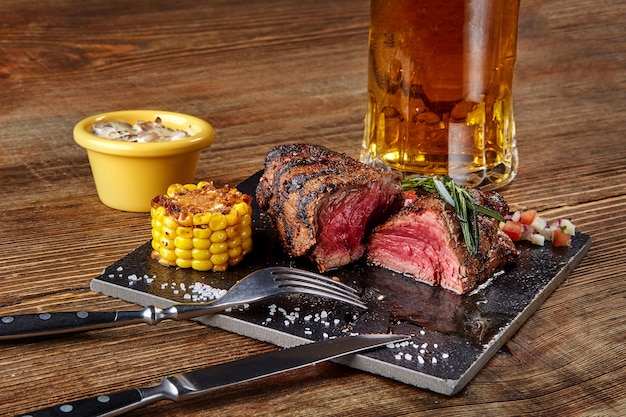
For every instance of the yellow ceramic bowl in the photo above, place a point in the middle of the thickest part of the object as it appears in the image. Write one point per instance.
(129, 174)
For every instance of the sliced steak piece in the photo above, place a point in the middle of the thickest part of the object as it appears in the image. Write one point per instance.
(424, 240)
(323, 203)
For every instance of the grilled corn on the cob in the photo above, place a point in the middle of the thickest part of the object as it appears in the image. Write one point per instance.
(201, 227)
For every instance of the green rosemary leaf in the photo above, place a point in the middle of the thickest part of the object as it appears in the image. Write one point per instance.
(488, 212)
(443, 192)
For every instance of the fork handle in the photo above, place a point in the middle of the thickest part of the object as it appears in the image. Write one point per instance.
(44, 324)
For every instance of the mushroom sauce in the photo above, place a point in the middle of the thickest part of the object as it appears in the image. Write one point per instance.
(141, 131)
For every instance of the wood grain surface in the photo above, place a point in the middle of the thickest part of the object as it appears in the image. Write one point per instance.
(271, 72)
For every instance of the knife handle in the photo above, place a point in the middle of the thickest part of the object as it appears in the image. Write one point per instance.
(102, 405)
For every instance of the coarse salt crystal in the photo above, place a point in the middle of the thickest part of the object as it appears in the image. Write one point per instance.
(420, 360)
(445, 356)
(434, 360)
(408, 356)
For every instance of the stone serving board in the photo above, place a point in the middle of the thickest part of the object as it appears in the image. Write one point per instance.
(453, 336)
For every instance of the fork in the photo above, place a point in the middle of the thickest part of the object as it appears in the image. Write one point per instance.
(258, 285)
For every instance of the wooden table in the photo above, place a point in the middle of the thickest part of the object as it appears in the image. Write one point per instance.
(271, 72)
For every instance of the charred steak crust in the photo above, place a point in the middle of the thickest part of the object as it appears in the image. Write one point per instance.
(323, 203)
(424, 240)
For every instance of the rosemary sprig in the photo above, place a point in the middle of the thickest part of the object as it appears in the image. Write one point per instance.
(460, 199)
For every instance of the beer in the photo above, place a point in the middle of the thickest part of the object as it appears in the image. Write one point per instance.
(439, 89)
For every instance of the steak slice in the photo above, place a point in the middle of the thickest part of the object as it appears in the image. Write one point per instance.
(424, 240)
(323, 203)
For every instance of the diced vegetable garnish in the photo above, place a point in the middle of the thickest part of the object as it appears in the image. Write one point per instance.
(529, 226)
(513, 229)
(560, 238)
(527, 217)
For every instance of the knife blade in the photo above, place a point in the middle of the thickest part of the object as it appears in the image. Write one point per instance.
(191, 384)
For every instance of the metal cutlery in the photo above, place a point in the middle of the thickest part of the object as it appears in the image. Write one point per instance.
(201, 381)
(258, 285)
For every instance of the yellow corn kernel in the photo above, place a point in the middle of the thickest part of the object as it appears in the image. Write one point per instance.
(174, 189)
(168, 233)
(183, 253)
(246, 245)
(232, 231)
(234, 252)
(202, 233)
(184, 263)
(166, 243)
(245, 232)
(219, 258)
(234, 242)
(201, 243)
(201, 218)
(200, 227)
(170, 222)
(201, 264)
(218, 222)
(242, 208)
(183, 243)
(219, 236)
(218, 248)
(185, 219)
(232, 217)
(186, 232)
(200, 253)
(168, 255)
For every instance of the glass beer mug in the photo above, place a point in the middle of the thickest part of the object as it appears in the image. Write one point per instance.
(439, 89)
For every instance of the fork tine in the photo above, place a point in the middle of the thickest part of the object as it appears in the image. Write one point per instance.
(338, 297)
(297, 280)
(295, 283)
(308, 276)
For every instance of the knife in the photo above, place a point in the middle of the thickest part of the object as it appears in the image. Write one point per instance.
(192, 384)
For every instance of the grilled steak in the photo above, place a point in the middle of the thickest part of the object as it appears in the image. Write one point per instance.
(323, 203)
(424, 240)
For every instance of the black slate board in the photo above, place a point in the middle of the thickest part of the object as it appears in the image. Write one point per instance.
(453, 335)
